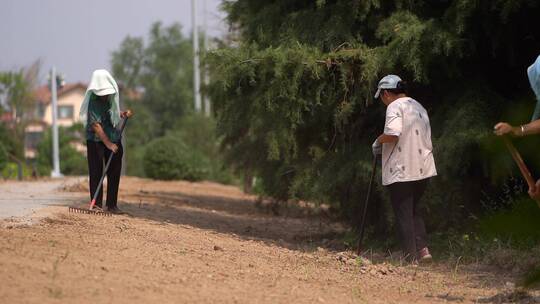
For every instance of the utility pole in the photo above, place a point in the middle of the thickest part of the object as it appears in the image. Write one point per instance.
(196, 71)
(55, 147)
(205, 72)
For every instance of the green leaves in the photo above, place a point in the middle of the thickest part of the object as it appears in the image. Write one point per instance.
(276, 117)
(128, 61)
(294, 93)
(168, 158)
(72, 162)
(3, 156)
(163, 68)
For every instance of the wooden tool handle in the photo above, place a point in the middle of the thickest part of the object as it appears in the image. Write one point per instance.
(519, 161)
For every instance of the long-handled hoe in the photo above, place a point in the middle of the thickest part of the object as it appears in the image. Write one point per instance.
(521, 164)
(368, 196)
(92, 209)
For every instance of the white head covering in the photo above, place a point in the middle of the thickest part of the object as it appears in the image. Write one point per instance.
(101, 84)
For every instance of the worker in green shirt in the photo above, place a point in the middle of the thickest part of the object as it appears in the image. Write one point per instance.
(101, 116)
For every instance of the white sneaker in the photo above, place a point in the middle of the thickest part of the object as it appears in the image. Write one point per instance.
(424, 255)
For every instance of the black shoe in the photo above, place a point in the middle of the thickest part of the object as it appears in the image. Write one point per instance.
(97, 208)
(115, 210)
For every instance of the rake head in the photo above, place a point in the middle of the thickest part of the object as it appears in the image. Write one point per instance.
(93, 211)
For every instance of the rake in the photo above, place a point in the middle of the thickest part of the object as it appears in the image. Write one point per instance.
(93, 209)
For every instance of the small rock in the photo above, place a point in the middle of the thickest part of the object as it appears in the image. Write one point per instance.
(341, 257)
(217, 248)
(364, 261)
(510, 284)
(373, 272)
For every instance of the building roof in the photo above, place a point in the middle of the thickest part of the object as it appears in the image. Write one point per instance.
(6, 117)
(43, 94)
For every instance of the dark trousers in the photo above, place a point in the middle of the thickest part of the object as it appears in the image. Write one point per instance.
(405, 197)
(98, 154)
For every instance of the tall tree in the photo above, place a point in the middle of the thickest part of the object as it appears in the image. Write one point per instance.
(128, 60)
(293, 96)
(16, 93)
(17, 88)
(162, 69)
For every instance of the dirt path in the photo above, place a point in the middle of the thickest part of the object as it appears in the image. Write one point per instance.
(23, 202)
(208, 243)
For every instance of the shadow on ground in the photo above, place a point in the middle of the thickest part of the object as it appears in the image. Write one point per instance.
(296, 229)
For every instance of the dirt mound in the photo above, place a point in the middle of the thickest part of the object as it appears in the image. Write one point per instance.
(208, 243)
(81, 186)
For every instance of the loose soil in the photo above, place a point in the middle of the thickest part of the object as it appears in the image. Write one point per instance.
(208, 243)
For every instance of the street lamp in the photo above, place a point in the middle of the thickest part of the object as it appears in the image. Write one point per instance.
(56, 81)
(205, 72)
(196, 72)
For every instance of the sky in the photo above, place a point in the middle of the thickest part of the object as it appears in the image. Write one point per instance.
(78, 36)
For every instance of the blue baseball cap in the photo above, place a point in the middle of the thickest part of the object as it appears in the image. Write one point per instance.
(387, 82)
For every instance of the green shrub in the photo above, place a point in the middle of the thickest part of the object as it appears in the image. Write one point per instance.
(72, 162)
(198, 132)
(169, 158)
(11, 141)
(134, 156)
(3, 156)
(140, 130)
(11, 171)
(519, 223)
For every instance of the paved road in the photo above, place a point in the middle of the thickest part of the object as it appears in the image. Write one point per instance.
(20, 200)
